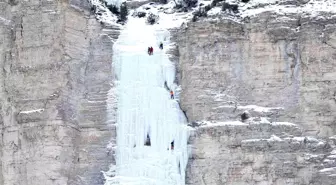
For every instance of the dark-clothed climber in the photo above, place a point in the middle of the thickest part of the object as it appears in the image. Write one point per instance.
(171, 94)
(148, 142)
(151, 50)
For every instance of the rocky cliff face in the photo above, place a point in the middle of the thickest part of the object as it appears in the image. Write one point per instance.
(285, 62)
(260, 154)
(55, 81)
(270, 60)
(57, 89)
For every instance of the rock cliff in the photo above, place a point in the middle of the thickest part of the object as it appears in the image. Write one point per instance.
(270, 60)
(260, 154)
(56, 75)
(57, 96)
(284, 62)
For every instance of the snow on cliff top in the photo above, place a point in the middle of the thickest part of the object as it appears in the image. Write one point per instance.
(170, 17)
(313, 7)
(103, 14)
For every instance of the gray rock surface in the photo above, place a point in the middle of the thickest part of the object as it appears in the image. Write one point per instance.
(271, 60)
(278, 154)
(284, 62)
(56, 79)
(57, 101)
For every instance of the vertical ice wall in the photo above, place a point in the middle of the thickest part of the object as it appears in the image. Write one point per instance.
(145, 108)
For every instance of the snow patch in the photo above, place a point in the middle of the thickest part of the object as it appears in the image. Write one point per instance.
(333, 152)
(273, 138)
(168, 18)
(306, 139)
(258, 108)
(328, 170)
(214, 11)
(5, 21)
(32, 111)
(239, 123)
(284, 123)
(264, 120)
(103, 14)
(332, 157)
(229, 123)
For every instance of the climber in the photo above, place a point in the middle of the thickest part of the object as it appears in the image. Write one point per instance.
(149, 51)
(172, 145)
(161, 45)
(148, 142)
(171, 94)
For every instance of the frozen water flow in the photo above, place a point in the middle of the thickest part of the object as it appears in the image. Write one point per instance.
(145, 108)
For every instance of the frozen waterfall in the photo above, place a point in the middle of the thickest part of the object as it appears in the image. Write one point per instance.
(145, 108)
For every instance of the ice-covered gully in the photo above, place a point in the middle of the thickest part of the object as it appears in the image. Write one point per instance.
(146, 110)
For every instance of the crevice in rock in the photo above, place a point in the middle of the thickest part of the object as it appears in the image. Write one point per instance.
(326, 42)
(21, 25)
(184, 112)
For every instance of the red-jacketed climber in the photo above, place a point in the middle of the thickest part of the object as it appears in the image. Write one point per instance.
(152, 50)
(171, 94)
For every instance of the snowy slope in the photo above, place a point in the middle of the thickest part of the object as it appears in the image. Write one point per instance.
(103, 14)
(145, 107)
(172, 17)
(312, 8)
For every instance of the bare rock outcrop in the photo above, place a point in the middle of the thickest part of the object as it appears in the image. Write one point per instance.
(55, 82)
(271, 60)
(259, 154)
(279, 67)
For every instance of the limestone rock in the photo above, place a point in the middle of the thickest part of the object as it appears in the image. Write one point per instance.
(271, 60)
(257, 153)
(54, 85)
(279, 67)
